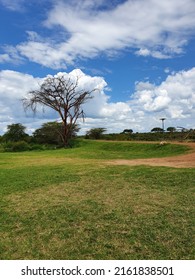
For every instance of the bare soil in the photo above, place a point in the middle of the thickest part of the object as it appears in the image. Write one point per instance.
(182, 161)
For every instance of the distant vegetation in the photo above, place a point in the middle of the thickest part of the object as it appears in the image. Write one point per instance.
(49, 136)
(156, 134)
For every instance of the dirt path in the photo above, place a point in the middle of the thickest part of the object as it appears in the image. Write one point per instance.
(181, 161)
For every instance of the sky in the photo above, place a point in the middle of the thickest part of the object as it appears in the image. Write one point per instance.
(140, 54)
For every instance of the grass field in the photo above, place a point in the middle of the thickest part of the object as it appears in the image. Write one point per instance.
(70, 204)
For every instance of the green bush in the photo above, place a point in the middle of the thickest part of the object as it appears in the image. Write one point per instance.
(117, 137)
(19, 146)
(22, 146)
(37, 147)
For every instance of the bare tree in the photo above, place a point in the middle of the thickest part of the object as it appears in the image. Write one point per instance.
(63, 95)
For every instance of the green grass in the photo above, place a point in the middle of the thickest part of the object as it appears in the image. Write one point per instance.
(125, 150)
(70, 204)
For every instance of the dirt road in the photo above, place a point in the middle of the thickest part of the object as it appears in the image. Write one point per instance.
(182, 161)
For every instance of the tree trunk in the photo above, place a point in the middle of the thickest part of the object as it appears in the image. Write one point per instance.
(66, 135)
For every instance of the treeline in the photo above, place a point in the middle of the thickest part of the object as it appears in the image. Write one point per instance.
(50, 136)
(156, 134)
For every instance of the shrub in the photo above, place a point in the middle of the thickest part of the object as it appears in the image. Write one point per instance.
(19, 146)
(37, 147)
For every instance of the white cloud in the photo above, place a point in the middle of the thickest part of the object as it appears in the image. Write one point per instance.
(16, 5)
(118, 110)
(150, 28)
(5, 58)
(174, 99)
(156, 54)
(167, 70)
(11, 55)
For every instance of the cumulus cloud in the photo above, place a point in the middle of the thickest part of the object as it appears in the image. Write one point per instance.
(12, 88)
(149, 28)
(174, 99)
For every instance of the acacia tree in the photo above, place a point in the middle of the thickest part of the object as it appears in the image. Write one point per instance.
(95, 133)
(63, 94)
(15, 132)
(171, 129)
(157, 129)
(127, 131)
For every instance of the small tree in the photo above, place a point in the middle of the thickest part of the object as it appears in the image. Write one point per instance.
(157, 129)
(95, 133)
(171, 129)
(127, 131)
(52, 133)
(63, 95)
(15, 132)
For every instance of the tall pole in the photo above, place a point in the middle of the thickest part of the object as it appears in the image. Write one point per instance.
(163, 125)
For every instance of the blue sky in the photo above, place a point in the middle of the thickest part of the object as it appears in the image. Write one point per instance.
(141, 54)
